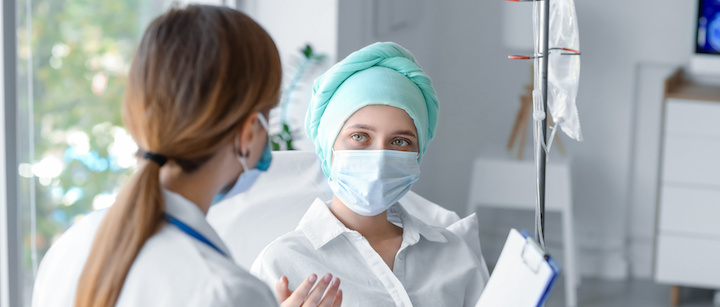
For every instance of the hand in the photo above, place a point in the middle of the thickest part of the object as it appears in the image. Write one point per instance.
(302, 297)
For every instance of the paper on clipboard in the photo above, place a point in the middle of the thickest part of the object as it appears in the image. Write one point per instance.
(523, 276)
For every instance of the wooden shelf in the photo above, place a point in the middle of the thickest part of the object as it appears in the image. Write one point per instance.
(680, 86)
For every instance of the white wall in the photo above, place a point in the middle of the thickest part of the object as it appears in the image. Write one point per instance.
(360, 25)
(644, 169)
(292, 25)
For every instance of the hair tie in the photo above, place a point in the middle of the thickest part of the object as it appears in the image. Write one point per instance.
(157, 158)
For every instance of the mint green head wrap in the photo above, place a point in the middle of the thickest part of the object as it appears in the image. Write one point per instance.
(379, 74)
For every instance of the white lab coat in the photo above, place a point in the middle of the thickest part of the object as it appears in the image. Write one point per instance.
(172, 268)
(434, 267)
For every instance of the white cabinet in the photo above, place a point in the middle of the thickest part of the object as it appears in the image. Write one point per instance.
(687, 236)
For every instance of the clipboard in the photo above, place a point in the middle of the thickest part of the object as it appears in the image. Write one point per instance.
(523, 276)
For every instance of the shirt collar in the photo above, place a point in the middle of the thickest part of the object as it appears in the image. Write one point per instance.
(190, 214)
(320, 226)
(413, 228)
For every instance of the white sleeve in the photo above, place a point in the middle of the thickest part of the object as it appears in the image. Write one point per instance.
(468, 229)
(263, 269)
(239, 292)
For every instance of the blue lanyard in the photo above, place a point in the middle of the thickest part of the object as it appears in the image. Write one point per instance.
(191, 232)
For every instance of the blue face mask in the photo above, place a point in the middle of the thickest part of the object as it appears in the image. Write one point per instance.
(248, 176)
(369, 182)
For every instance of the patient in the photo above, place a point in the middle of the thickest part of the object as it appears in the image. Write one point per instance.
(371, 118)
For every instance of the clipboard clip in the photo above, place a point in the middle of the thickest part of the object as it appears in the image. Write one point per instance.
(532, 255)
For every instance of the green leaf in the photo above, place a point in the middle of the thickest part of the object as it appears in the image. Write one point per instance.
(307, 52)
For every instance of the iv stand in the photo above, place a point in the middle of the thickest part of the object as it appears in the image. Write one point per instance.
(540, 119)
(541, 128)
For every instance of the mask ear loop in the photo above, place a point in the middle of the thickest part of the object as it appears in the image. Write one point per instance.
(240, 157)
(264, 122)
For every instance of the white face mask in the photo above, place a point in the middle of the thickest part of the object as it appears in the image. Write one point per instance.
(369, 182)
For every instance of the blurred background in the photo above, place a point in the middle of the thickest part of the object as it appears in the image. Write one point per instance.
(73, 152)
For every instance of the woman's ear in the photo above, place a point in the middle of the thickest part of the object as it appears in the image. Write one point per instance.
(248, 132)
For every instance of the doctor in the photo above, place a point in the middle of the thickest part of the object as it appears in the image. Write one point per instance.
(200, 87)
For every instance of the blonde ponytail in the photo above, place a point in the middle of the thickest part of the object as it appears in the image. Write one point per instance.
(128, 224)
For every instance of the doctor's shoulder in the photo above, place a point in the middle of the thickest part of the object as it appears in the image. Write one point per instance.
(170, 270)
(60, 269)
(173, 269)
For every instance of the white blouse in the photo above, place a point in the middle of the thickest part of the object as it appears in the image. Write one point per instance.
(433, 267)
(172, 268)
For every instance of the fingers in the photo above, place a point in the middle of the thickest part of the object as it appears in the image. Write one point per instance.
(338, 299)
(303, 296)
(332, 294)
(281, 289)
(317, 293)
(298, 296)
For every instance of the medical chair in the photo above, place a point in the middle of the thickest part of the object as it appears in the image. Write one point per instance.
(279, 198)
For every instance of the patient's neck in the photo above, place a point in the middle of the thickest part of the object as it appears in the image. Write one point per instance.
(371, 227)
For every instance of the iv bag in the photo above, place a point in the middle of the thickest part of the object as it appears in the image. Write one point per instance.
(563, 65)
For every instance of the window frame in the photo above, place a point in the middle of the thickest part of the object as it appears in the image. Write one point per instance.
(10, 219)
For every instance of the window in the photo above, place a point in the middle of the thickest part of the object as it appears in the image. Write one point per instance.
(74, 154)
(72, 151)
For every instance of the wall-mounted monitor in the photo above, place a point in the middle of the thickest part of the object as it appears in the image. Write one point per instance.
(706, 60)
